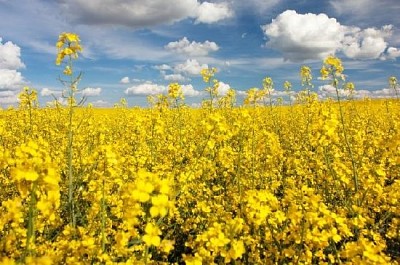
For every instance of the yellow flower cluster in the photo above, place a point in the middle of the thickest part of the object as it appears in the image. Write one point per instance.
(68, 44)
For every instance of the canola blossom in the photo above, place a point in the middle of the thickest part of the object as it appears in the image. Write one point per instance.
(310, 182)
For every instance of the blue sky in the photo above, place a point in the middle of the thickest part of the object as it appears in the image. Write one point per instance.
(133, 48)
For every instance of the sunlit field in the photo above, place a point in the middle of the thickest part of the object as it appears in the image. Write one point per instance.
(273, 181)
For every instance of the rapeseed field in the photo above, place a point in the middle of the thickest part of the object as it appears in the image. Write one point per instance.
(302, 182)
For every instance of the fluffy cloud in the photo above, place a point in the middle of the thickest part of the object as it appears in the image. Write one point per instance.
(162, 67)
(147, 88)
(173, 77)
(191, 67)
(11, 80)
(392, 53)
(366, 44)
(138, 13)
(309, 36)
(10, 56)
(101, 103)
(89, 91)
(213, 12)
(189, 91)
(223, 88)
(45, 92)
(330, 91)
(184, 46)
(150, 88)
(304, 36)
(125, 80)
(180, 72)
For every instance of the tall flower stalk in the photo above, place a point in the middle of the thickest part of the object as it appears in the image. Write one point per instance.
(332, 69)
(69, 47)
(393, 85)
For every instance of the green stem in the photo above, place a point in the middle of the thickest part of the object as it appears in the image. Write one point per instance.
(353, 163)
(103, 218)
(30, 236)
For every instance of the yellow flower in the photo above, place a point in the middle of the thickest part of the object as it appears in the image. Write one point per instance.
(67, 70)
(324, 72)
(151, 238)
(306, 75)
(237, 249)
(160, 205)
(334, 65)
(287, 86)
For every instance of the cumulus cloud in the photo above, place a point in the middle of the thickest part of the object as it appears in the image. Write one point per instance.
(301, 37)
(162, 67)
(190, 66)
(147, 88)
(138, 13)
(366, 44)
(11, 80)
(125, 80)
(392, 53)
(90, 91)
(10, 56)
(213, 12)
(45, 92)
(223, 88)
(189, 91)
(330, 91)
(304, 36)
(184, 46)
(174, 77)
(101, 103)
(181, 71)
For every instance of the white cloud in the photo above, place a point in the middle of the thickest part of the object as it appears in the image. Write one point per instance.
(11, 80)
(392, 53)
(191, 67)
(213, 12)
(49, 92)
(223, 88)
(89, 91)
(174, 77)
(162, 67)
(184, 46)
(301, 37)
(147, 88)
(101, 103)
(125, 80)
(138, 13)
(189, 91)
(150, 88)
(366, 44)
(330, 91)
(8, 100)
(304, 36)
(10, 56)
